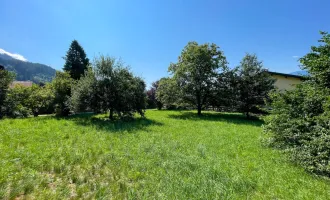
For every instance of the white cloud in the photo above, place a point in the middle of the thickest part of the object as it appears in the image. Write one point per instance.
(295, 57)
(13, 55)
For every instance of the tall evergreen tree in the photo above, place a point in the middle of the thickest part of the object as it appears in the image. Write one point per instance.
(76, 61)
(254, 84)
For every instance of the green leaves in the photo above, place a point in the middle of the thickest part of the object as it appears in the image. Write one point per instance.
(22, 101)
(317, 62)
(62, 84)
(196, 72)
(202, 79)
(168, 93)
(110, 85)
(40, 99)
(299, 119)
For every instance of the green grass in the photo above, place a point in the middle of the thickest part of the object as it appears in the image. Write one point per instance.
(169, 155)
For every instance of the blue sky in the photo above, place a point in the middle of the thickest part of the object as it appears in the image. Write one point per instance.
(148, 35)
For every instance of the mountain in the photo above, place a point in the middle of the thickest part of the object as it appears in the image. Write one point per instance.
(301, 73)
(26, 71)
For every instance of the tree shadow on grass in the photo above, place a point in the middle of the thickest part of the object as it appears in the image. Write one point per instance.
(235, 118)
(102, 122)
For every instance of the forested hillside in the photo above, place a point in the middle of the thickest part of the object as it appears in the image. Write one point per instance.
(28, 71)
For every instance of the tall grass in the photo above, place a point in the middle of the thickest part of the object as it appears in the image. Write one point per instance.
(169, 155)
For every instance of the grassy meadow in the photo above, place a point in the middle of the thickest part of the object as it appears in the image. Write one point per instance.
(168, 155)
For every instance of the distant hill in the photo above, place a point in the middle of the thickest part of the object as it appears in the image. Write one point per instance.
(26, 71)
(301, 73)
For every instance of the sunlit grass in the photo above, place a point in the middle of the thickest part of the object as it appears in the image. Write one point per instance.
(169, 155)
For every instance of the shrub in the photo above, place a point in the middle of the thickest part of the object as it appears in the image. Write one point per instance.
(40, 99)
(300, 119)
(16, 103)
(299, 122)
(62, 84)
(23, 101)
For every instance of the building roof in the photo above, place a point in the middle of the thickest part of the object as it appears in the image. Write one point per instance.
(22, 83)
(286, 75)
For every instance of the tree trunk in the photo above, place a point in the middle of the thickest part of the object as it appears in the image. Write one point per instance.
(111, 114)
(199, 110)
(141, 112)
(248, 115)
(199, 104)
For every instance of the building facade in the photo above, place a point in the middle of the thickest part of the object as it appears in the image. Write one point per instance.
(286, 81)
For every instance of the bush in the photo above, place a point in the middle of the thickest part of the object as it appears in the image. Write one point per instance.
(23, 101)
(40, 100)
(62, 84)
(16, 103)
(299, 122)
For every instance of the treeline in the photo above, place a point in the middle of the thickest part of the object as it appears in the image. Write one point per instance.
(299, 120)
(104, 85)
(201, 79)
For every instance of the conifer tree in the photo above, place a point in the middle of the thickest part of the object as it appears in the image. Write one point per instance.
(76, 61)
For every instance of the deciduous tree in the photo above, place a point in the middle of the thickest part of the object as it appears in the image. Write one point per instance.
(196, 72)
(123, 93)
(110, 86)
(168, 93)
(151, 96)
(84, 94)
(62, 84)
(225, 95)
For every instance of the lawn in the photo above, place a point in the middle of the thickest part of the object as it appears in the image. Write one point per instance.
(169, 155)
